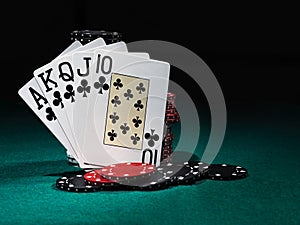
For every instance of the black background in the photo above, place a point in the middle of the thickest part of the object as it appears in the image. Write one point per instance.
(252, 49)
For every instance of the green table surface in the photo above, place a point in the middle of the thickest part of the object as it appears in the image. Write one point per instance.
(265, 140)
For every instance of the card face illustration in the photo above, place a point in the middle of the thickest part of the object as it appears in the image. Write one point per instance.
(126, 111)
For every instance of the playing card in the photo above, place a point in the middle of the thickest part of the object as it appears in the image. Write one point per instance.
(35, 99)
(56, 80)
(78, 112)
(122, 127)
(83, 87)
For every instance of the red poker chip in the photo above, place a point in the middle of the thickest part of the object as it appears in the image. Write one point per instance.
(170, 107)
(94, 177)
(166, 151)
(167, 135)
(170, 122)
(165, 157)
(167, 144)
(129, 170)
(168, 139)
(167, 147)
(169, 110)
(170, 94)
(171, 115)
(171, 101)
(167, 154)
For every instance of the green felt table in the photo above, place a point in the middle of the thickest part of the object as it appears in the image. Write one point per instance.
(264, 141)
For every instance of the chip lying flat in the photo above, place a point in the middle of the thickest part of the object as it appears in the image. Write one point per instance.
(226, 172)
(125, 171)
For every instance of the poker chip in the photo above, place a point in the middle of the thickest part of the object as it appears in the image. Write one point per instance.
(166, 175)
(171, 120)
(202, 167)
(168, 139)
(171, 117)
(125, 171)
(77, 183)
(171, 98)
(85, 36)
(170, 109)
(94, 178)
(183, 173)
(167, 145)
(188, 174)
(167, 151)
(199, 166)
(156, 181)
(169, 170)
(226, 172)
(95, 34)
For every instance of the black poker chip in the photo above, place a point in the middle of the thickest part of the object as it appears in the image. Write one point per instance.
(95, 34)
(87, 40)
(200, 166)
(191, 172)
(85, 36)
(183, 173)
(187, 175)
(226, 172)
(77, 184)
(157, 181)
(74, 184)
(169, 170)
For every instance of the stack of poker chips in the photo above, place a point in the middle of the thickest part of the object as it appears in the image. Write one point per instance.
(145, 177)
(171, 117)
